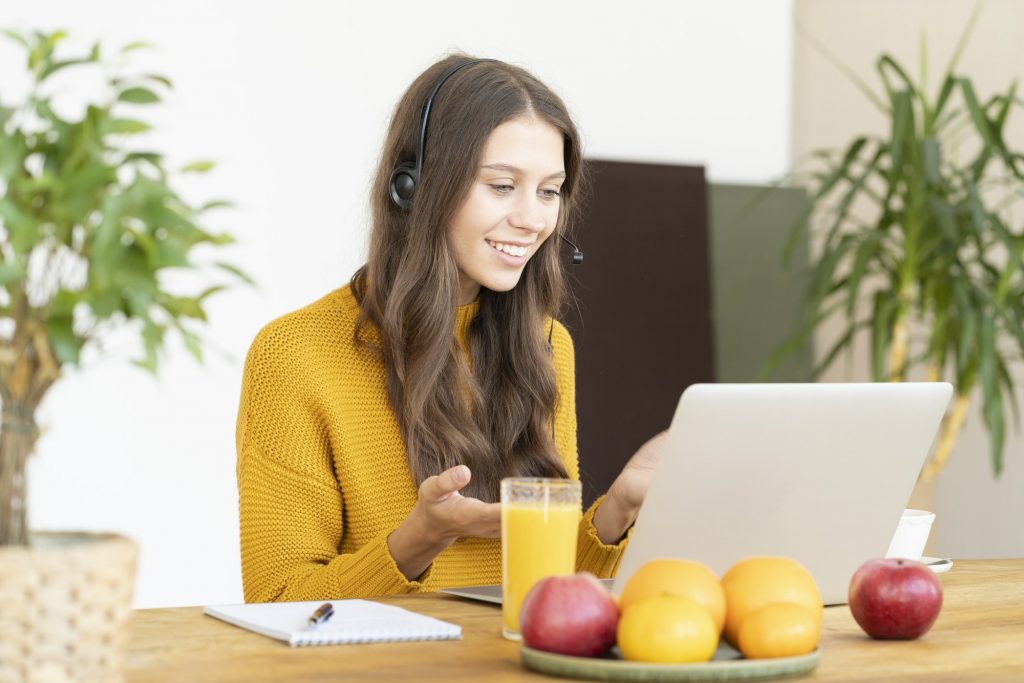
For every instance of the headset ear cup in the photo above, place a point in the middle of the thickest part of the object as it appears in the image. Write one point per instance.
(402, 185)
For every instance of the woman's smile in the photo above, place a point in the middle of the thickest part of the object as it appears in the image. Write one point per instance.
(510, 249)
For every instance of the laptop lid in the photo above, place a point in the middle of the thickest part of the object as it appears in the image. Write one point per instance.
(817, 472)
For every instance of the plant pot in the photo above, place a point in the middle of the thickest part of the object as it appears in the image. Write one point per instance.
(65, 604)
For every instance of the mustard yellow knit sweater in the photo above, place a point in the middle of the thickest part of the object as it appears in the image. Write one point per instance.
(322, 471)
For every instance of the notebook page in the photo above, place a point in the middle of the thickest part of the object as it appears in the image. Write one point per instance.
(354, 621)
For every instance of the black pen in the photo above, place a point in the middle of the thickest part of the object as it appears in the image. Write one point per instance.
(322, 614)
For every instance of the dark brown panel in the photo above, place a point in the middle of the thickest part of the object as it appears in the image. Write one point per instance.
(643, 325)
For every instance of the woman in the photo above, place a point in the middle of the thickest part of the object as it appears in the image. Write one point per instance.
(376, 424)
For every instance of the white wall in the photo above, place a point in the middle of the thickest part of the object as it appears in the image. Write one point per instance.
(293, 103)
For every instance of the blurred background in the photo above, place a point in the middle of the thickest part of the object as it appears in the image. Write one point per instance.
(292, 102)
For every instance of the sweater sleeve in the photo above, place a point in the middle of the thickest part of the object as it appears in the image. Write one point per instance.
(290, 503)
(591, 554)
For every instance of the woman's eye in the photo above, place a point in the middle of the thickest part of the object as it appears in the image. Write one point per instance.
(502, 189)
(550, 194)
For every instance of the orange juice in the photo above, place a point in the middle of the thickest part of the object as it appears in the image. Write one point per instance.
(538, 539)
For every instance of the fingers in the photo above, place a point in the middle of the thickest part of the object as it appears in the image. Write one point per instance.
(441, 486)
(458, 516)
(487, 522)
(474, 518)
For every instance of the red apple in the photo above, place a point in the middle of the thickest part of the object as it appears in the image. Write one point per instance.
(570, 615)
(895, 599)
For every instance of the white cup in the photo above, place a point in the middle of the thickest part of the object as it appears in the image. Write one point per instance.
(911, 534)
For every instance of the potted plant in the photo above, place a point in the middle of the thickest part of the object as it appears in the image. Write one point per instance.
(916, 223)
(90, 230)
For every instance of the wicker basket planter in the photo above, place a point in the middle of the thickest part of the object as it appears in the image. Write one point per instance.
(65, 603)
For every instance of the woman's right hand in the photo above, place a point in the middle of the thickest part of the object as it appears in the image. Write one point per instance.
(440, 516)
(449, 515)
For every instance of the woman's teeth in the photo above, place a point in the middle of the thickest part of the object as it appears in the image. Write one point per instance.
(509, 249)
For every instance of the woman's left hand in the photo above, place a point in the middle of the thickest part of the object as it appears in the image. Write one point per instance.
(619, 509)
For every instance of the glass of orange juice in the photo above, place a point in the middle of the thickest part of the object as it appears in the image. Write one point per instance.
(539, 523)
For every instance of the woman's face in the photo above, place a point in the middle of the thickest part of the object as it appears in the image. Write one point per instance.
(511, 207)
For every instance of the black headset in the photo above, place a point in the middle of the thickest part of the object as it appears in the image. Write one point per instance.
(402, 185)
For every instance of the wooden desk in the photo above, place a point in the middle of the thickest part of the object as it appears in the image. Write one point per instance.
(979, 636)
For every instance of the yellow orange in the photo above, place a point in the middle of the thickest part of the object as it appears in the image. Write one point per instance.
(755, 582)
(782, 629)
(682, 578)
(667, 629)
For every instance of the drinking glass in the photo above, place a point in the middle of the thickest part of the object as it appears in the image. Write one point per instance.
(539, 525)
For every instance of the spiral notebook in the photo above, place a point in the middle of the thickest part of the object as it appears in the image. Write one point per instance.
(354, 621)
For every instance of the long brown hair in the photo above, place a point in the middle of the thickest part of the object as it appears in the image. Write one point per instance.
(496, 415)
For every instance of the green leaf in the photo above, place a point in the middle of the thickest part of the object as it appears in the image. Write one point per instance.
(10, 272)
(66, 344)
(152, 341)
(1014, 325)
(63, 304)
(1012, 244)
(192, 342)
(902, 130)
(23, 231)
(858, 189)
(41, 51)
(140, 45)
(945, 217)
(1010, 391)
(198, 167)
(182, 307)
(931, 122)
(866, 251)
(138, 95)
(220, 239)
(961, 43)
(931, 158)
(797, 233)
(216, 204)
(821, 279)
(886, 64)
(992, 399)
(939, 336)
(160, 79)
(127, 126)
(16, 37)
(841, 170)
(193, 345)
(981, 122)
(54, 67)
(104, 303)
(885, 308)
(236, 272)
(13, 150)
(210, 291)
(845, 70)
(968, 333)
(152, 158)
(795, 342)
(844, 341)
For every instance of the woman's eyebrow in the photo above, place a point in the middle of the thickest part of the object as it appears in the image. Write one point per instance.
(512, 169)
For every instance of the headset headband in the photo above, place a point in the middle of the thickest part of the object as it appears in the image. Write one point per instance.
(402, 185)
(428, 105)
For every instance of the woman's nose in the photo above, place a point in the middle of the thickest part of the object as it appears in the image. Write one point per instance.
(529, 215)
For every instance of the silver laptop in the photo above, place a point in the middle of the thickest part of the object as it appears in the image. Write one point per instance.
(492, 593)
(817, 472)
